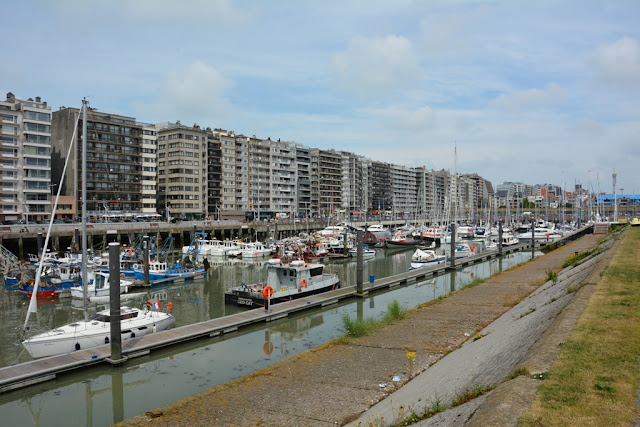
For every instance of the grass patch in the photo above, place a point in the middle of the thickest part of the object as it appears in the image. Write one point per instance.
(552, 275)
(356, 328)
(595, 378)
(475, 282)
(470, 394)
(531, 310)
(519, 373)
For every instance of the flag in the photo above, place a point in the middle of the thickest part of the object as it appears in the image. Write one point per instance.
(157, 305)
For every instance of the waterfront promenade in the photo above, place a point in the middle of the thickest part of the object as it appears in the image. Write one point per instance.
(367, 379)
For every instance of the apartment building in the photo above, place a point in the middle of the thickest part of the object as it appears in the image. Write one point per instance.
(381, 194)
(214, 173)
(25, 159)
(228, 206)
(259, 178)
(303, 182)
(354, 183)
(284, 176)
(242, 175)
(114, 160)
(182, 170)
(149, 163)
(404, 190)
(330, 181)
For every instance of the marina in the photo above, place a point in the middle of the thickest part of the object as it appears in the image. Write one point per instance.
(197, 364)
(220, 324)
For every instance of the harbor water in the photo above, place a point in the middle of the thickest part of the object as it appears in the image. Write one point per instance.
(103, 395)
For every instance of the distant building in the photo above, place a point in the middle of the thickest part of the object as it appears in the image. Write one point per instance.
(114, 161)
(182, 170)
(25, 159)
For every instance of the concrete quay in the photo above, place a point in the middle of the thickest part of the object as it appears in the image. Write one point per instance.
(370, 381)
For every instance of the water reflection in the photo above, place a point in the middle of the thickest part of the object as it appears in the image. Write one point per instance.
(96, 396)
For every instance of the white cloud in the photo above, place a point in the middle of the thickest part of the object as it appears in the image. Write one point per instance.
(518, 101)
(376, 64)
(618, 63)
(406, 120)
(193, 94)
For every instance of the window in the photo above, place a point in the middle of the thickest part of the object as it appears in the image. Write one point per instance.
(10, 130)
(37, 127)
(41, 117)
(9, 118)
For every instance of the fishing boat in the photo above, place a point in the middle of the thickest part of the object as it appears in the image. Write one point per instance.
(401, 240)
(423, 258)
(99, 286)
(285, 282)
(432, 234)
(509, 240)
(81, 335)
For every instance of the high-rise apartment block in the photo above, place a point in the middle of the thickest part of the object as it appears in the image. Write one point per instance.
(114, 156)
(25, 159)
(182, 169)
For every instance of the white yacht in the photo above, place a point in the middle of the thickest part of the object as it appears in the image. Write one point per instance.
(81, 335)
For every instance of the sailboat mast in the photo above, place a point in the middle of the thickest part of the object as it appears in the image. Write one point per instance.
(84, 211)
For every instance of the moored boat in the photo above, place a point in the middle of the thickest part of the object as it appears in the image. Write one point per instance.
(81, 335)
(423, 258)
(285, 282)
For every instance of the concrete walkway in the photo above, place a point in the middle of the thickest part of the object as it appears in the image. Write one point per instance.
(338, 384)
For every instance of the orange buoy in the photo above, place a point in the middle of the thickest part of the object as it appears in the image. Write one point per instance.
(303, 283)
(169, 306)
(267, 291)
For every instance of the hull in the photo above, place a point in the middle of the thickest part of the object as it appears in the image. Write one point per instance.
(406, 244)
(421, 264)
(171, 274)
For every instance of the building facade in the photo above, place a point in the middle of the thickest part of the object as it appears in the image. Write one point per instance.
(25, 159)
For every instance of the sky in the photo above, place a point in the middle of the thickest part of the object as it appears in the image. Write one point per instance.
(523, 91)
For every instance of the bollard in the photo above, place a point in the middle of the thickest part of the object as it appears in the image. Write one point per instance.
(372, 279)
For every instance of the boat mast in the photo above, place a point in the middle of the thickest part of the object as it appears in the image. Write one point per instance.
(84, 211)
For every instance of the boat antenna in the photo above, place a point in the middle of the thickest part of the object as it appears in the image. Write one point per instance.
(33, 305)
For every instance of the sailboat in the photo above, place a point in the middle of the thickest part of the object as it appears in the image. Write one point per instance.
(94, 331)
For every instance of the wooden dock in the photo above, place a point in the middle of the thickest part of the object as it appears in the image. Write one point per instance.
(28, 373)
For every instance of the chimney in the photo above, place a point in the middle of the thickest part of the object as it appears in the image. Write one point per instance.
(11, 97)
(38, 99)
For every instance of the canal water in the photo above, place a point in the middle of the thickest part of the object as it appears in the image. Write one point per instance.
(103, 395)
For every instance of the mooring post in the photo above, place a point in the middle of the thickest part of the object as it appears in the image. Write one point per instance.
(345, 250)
(533, 237)
(359, 265)
(145, 257)
(40, 244)
(499, 238)
(452, 263)
(76, 240)
(114, 302)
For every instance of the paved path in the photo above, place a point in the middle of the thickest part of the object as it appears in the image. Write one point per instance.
(336, 384)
